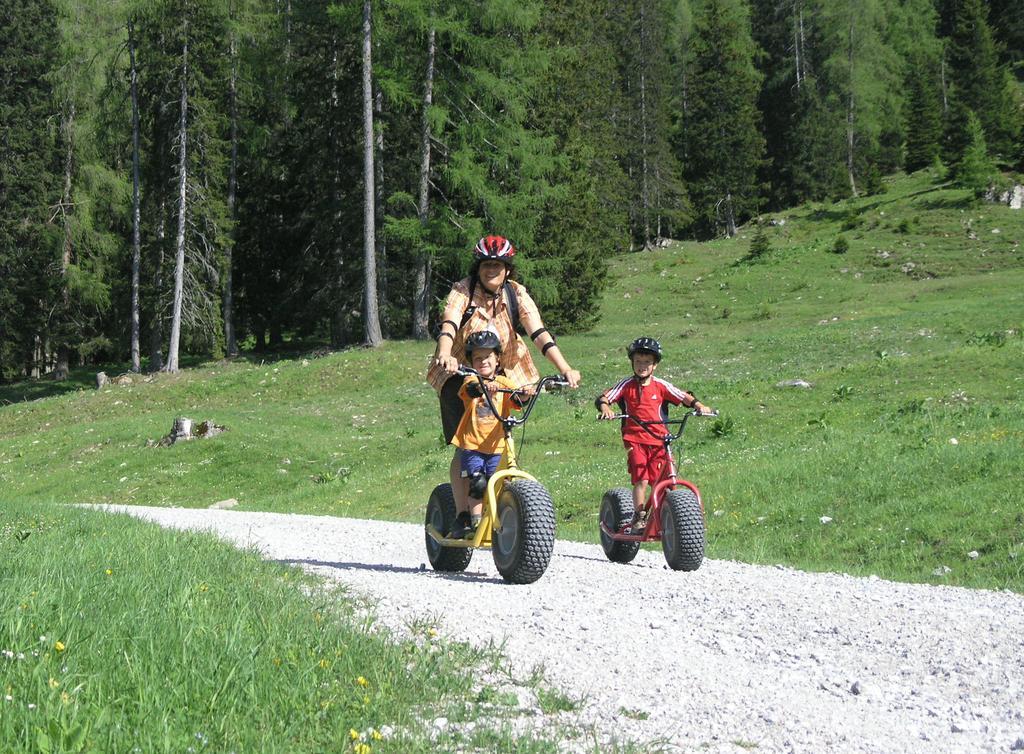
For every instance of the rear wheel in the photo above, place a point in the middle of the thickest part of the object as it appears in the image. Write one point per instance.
(616, 512)
(524, 535)
(441, 515)
(682, 530)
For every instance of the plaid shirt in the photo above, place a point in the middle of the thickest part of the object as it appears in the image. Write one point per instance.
(515, 361)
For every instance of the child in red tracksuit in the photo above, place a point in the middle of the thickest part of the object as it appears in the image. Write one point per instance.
(646, 397)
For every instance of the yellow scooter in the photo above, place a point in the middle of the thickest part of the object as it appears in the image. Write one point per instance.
(518, 523)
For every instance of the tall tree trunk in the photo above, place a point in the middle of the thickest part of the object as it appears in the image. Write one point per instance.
(338, 328)
(421, 293)
(945, 86)
(850, 121)
(378, 211)
(230, 342)
(179, 258)
(798, 35)
(156, 333)
(60, 372)
(645, 199)
(371, 318)
(136, 349)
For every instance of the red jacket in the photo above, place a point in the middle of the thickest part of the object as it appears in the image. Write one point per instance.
(647, 402)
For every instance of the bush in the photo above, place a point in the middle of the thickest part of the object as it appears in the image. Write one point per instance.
(852, 221)
(760, 245)
(841, 245)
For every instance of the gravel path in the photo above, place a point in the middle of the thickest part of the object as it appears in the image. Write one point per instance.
(730, 658)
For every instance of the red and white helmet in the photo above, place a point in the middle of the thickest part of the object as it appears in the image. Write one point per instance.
(494, 247)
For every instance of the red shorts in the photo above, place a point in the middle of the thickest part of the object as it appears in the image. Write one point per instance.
(646, 462)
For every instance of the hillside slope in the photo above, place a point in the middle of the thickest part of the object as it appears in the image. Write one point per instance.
(908, 440)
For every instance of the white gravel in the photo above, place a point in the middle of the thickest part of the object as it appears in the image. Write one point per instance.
(730, 658)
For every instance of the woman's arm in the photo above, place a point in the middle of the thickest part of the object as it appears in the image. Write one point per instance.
(449, 328)
(545, 341)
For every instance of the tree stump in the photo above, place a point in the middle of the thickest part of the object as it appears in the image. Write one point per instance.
(180, 430)
(185, 429)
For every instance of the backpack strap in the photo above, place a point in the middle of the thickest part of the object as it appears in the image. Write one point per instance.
(466, 315)
(511, 299)
(513, 308)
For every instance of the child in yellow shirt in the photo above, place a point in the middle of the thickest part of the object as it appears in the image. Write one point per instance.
(480, 436)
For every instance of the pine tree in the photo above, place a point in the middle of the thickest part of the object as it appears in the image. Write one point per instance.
(720, 136)
(29, 184)
(975, 170)
(1009, 31)
(582, 104)
(923, 116)
(646, 52)
(859, 79)
(760, 245)
(981, 81)
(785, 33)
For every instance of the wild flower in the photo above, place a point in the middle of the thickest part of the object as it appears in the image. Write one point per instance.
(59, 646)
(362, 681)
(353, 734)
(361, 748)
(325, 663)
(109, 572)
(8, 654)
(53, 683)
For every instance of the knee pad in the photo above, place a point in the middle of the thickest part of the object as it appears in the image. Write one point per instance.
(477, 486)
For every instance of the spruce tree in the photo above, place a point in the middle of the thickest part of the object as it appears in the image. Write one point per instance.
(923, 115)
(982, 82)
(975, 170)
(29, 184)
(720, 134)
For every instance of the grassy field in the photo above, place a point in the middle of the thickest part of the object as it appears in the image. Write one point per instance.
(116, 636)
(909, 440)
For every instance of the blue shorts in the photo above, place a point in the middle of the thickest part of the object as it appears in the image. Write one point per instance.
(473, 461)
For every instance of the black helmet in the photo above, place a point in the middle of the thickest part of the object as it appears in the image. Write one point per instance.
(645, 345)
(487, 339)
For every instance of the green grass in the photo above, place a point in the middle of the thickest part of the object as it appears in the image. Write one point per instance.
(912, 338)
(116, 635)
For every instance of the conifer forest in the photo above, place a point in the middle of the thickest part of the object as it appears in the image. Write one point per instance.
(195, 177)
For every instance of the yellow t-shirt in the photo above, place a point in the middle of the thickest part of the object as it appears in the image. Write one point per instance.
(480, 428)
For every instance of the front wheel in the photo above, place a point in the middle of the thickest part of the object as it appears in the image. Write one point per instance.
(616, 512)
(682, 530)
(524, 537)
(441, 515)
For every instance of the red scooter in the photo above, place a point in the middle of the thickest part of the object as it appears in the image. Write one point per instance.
(674, 511)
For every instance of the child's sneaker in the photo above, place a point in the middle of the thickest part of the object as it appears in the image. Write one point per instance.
(463, 527)
(639, 522)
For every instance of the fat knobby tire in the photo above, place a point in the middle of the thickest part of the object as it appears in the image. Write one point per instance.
(682, 530)
(522, 547)
(616, 512)
(441, 513)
